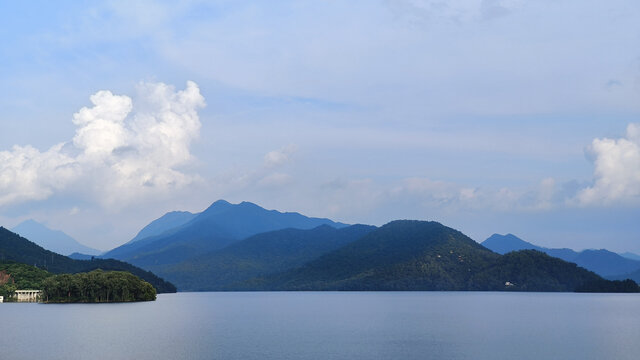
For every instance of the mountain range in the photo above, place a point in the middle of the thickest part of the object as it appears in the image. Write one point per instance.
(603, 262)
(54, 240)
(220, 225)
(246, 247)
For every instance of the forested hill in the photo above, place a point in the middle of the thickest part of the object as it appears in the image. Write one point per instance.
(91, 287)
(14, 276)
(420, 255)
(13, 247)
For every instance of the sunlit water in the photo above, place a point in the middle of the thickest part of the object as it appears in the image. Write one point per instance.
(299, 325)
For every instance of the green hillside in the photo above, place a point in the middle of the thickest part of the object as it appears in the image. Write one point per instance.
(531, 270)
(95, 287)
(91, 287)
(14, 276)
(13, 247)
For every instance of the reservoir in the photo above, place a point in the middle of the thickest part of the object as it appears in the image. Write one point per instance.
(330, 325)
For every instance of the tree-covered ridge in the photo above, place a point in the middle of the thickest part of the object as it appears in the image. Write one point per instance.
(419, 255)
(13, 247)
(95, 287)
(401, 255)
(14, 276)
(531, 270)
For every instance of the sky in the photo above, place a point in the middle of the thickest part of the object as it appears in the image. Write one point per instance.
(489, 116)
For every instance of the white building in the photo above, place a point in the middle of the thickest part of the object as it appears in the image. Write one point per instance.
(1, 299)
(28, 295)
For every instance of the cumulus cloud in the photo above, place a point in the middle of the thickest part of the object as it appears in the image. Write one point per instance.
(617, 170)
(121, 150)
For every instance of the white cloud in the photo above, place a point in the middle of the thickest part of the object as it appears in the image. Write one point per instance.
(122, 151)
(28, 174)
(617, 170)
(279, 157)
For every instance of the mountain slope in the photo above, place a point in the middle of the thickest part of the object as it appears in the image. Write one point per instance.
(418, 255)
(401, 255)
(606, 263)
(602, 262)
(259, 255)
(532, 270)
(54, 240)
(166, 222)
(13, 247)
(218, 226)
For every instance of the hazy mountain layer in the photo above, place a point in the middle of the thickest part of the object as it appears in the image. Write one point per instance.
(602, 262)
(54, 240)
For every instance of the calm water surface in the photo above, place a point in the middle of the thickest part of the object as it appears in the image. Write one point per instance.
(308, 325)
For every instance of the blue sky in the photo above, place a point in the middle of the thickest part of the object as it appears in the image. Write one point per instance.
(487, 115)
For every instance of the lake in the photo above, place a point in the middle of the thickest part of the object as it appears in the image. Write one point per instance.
(330, 325)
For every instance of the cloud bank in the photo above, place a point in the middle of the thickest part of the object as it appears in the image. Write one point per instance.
(121, 152)
(617, 170)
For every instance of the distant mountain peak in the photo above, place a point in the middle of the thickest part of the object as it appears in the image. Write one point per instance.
(53, 240)
(218, 206)
(31, 222)
(503, 244)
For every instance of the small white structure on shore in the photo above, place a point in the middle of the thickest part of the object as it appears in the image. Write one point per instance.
(28, 295)
(1, 299)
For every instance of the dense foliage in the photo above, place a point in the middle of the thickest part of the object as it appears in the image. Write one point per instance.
(96, 286)
(14, 276)
(616, 286)
(13, 247)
